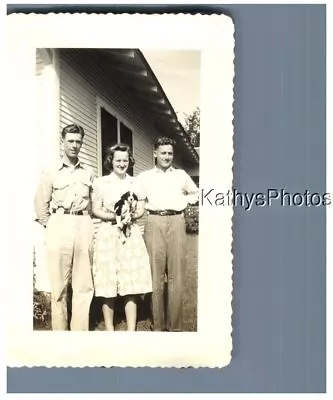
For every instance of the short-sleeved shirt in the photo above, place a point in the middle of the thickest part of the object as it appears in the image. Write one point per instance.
(65, 186)
(108, 189)
(172, 189)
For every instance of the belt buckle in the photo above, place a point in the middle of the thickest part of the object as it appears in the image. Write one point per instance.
(60, 210)
(163, 213)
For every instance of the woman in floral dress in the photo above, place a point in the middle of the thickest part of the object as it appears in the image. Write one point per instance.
(119, 268)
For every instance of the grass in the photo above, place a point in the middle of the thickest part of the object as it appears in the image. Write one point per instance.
(191, 284)
(192, 219)
(42, 305)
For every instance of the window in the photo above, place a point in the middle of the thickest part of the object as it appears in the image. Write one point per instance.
(113, 131)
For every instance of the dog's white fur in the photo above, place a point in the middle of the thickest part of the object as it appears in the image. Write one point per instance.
(125, 209)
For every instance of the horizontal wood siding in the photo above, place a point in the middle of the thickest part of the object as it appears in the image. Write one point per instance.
(143, 152)
(78, 105)
(81, 82)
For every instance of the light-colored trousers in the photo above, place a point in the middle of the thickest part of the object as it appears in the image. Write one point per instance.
(69, 255)
(165, 240)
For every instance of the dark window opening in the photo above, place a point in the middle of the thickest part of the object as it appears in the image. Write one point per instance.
(126, 137)
(110, 136)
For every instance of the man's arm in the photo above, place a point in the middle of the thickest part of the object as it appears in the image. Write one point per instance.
(92, 182)
(140, 209)
(141, 186)
(43, 198)
(191, 189)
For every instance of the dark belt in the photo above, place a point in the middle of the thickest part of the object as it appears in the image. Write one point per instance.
(61, 210)
(164, 212)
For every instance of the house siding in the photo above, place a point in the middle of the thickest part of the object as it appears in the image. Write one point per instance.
(82, 83)
(78, 105)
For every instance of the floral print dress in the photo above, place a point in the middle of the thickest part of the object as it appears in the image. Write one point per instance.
(118, 269)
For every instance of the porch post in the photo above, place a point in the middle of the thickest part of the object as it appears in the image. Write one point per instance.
(51, 118)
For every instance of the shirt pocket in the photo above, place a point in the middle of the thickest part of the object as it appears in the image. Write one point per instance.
(84, 187)
(60, 187)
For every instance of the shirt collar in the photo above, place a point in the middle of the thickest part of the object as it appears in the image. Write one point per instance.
(65, 162)
(159, 170)
(112, 176)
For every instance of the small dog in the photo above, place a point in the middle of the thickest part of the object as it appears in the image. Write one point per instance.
(124, 210)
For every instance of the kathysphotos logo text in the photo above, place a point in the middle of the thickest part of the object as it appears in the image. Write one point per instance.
(235, 198)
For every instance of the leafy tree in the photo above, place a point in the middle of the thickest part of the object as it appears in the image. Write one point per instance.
(192, 127)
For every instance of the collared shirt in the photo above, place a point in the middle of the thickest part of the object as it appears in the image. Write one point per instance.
(172, 189)
(65, 186)
(108, 189)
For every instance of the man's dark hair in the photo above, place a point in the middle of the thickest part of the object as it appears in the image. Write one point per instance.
(73, 128)
(163, 141)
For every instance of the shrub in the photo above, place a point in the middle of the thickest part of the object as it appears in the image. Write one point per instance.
(192, 219)
(41, 305)
(42, 311)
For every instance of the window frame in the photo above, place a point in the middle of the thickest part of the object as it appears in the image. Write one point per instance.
(120, 118)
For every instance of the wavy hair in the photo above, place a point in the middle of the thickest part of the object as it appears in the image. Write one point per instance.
(162, 141)
(73, 128)
(109, 155)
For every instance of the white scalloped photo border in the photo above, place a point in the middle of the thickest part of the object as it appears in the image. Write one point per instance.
(213, 36)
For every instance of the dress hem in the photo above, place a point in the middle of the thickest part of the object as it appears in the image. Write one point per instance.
(122, 295)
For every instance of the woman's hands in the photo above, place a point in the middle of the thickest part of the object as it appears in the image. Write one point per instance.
(100, 212)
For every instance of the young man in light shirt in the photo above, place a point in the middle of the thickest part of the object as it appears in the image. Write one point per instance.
(62, 205)
(168, 191)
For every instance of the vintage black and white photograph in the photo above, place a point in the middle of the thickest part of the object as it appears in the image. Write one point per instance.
(117, 208)
(121, 258)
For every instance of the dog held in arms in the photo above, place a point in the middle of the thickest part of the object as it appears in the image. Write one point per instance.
(124, 210)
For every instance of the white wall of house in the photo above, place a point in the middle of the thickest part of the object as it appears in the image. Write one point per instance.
(70, 89)
(84, 86)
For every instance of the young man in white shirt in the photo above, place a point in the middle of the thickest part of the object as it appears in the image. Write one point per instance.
(63, 203)
(168, 191)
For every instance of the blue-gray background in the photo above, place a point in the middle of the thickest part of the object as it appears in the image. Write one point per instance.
(279, 253)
